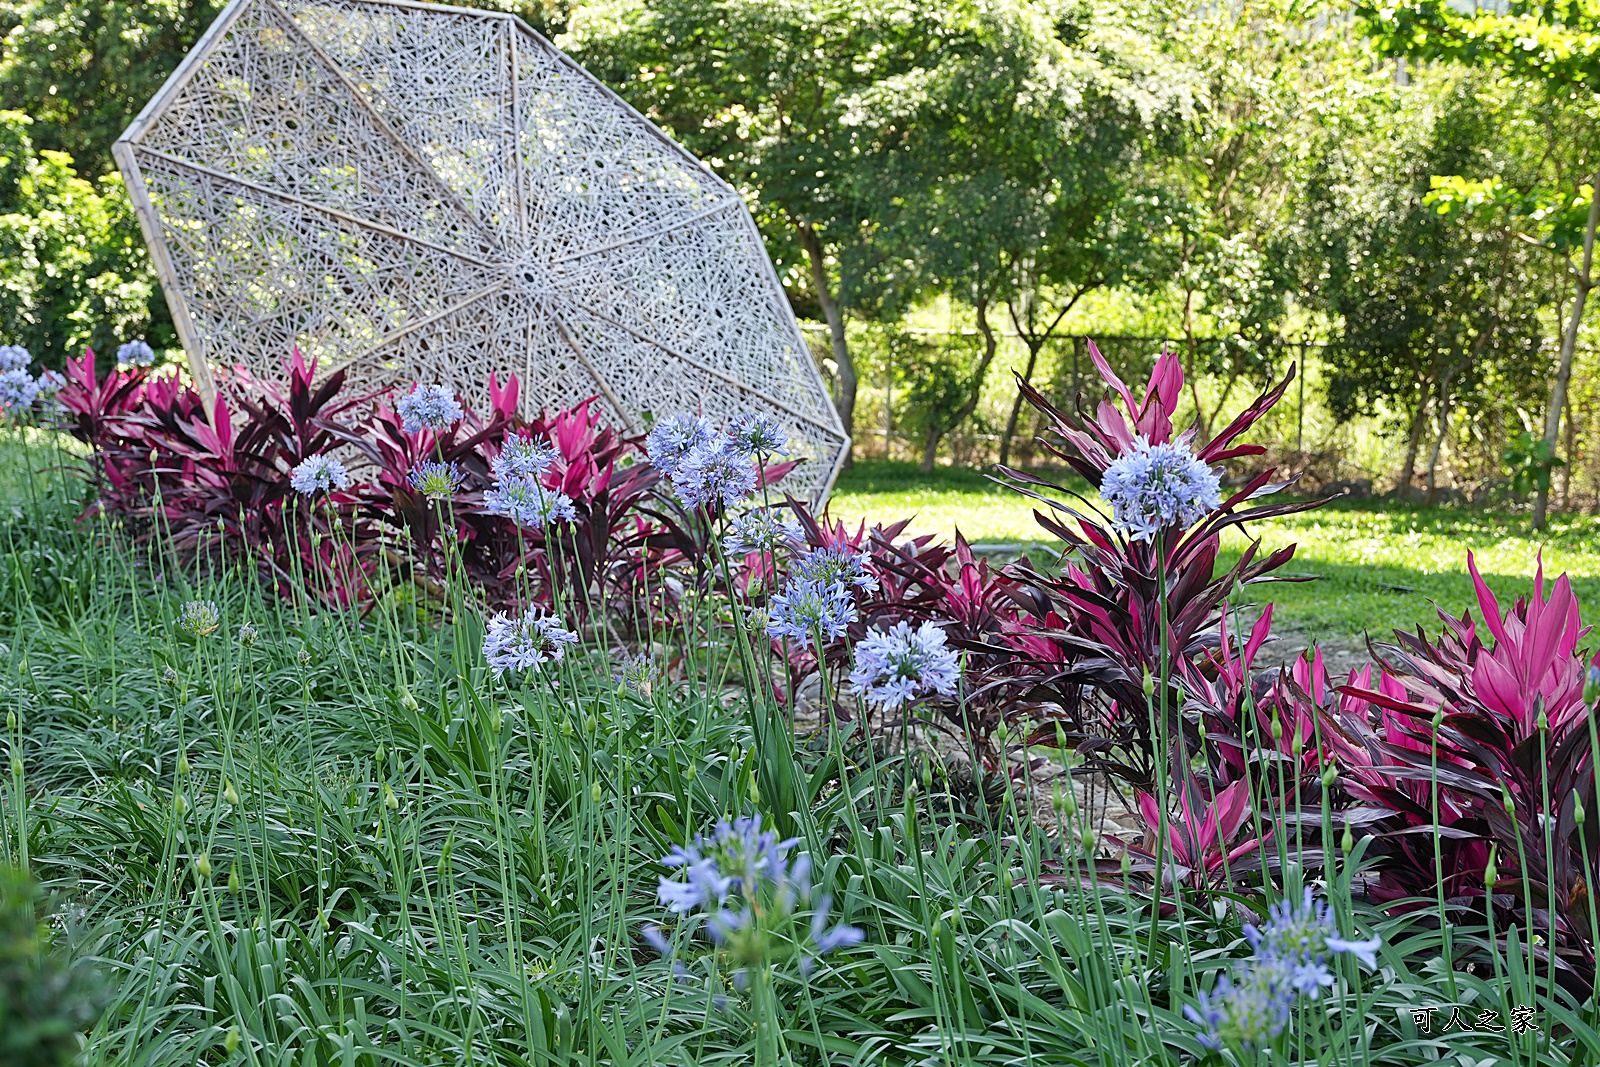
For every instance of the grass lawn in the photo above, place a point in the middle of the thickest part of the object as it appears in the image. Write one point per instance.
(1377, 565)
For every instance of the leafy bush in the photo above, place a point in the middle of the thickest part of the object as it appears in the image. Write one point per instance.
(46, 998)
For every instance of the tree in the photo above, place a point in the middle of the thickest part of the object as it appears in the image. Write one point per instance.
(1555, 48)
(1429, 309)
(763, 90)
(1002, 175)
(73, 268)
(1232, 189)
(83, 68)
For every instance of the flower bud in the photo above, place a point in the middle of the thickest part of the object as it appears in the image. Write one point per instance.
(594, 792)
(408, 701)
(1577, 810)
(1297, 743)
(1088, 840)
(183, 763)
(755, 791)
(1490, 874)
(1127, 863)
(16, 766)
(1204, 733)
(179, 804)
(390, 801)
(1277, 728)
(230, 1043)
(1348, 841)
(11, 720)
(1542, 722)
(233, 880)
(203, 865)
(1438, 720)
(566, 727)
(1507, 801)
(1149, 684)
(230, 794)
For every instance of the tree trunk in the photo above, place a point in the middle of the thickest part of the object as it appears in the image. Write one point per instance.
(1569, 344)
(846, 401)
(1016, 404)
(1419, 422)
(930, 449)
(1443, 409)
(930, 445)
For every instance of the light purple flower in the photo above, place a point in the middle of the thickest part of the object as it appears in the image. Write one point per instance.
(50, 383)
(714, 472)
(435, 480)
(319, 473)
(522, 457)
(432, 407)
(742, 879)
(1250, 1009)
(758, 436)
(760, 530)
(527, 503)
(18, 389)
(14, 357)
(674, 438)
(531, 639)
(836, 563)
(136, 354)
(901, 664)
(1152, 487)
(805, 609)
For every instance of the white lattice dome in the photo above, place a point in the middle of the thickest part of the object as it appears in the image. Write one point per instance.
(417, 192)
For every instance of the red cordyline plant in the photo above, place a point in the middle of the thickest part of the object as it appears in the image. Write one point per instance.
(221, 476)
(1107, 637)
(1486, 742)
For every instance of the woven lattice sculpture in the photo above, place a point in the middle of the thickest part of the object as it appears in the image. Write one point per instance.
(416, 192)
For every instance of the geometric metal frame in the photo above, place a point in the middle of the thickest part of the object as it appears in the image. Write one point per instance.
(410, 191)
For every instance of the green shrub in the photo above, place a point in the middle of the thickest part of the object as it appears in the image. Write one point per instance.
(46, 998)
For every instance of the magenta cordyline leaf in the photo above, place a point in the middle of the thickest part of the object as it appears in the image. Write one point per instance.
(1532, 663)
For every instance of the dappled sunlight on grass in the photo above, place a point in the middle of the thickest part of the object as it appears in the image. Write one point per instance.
(1378, 566)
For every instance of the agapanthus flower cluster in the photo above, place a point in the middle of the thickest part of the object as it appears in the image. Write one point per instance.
(742, 880)
(1251, 1007)
(50, 383)
(533, 638)
(318, 474)
(428, 407)
(1153, 487)
(18, 390)
(199, 617)
(758, 436)
(836, 563)
(14, 357)
(896, 666)
(715, 472)
(674, 438)
(527, 503)
(806, 609)
(518, 494)
(707, 467)
(435, 480)
(639, 674)
(522, 457)
(761, 530)
(136, 354)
